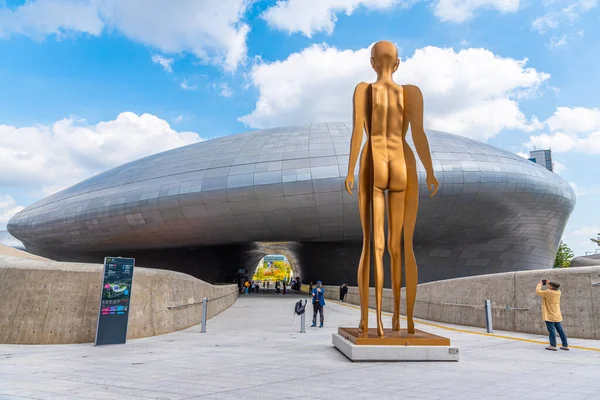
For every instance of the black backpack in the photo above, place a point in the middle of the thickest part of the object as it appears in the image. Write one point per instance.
(300, 307)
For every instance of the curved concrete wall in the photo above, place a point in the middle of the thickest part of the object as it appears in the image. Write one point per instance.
(48, 302)
(515, 306)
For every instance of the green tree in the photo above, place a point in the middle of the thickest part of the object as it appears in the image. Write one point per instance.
(279, 271)
(596, 240)
(563, 256)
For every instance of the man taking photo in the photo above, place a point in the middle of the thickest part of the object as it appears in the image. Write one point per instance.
(318, 301)
(551, 312)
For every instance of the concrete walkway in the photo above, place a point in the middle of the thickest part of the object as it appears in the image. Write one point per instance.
(253, 351)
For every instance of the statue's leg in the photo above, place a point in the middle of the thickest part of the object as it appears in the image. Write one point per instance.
(364, 205)
(379, 248)
(410, 220)
(365, 257)
(395, 222)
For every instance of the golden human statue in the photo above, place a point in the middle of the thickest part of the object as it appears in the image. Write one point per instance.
(384, 110)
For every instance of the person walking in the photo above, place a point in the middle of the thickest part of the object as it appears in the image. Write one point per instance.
(246, 286)
(551, 313)
(342, 292)
(284, 287)
(310, 288)
(318, 301)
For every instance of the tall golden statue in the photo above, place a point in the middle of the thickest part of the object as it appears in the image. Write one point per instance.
(384, 110)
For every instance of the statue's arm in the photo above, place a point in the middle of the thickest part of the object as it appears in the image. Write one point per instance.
(415, 98)
(358, 125)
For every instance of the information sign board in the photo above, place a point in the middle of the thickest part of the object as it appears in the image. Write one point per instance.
(113, 314)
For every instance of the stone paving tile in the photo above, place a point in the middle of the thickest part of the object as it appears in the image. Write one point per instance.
(254, 351)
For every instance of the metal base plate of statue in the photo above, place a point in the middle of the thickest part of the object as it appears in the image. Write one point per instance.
(399, 346)
(388, 182)
(393, 338)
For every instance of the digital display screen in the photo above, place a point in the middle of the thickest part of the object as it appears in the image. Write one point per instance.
(115, 300)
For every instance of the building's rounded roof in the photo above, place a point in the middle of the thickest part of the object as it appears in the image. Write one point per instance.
(281, 184)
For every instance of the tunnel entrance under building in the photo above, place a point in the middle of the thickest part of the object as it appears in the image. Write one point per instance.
(271, 267)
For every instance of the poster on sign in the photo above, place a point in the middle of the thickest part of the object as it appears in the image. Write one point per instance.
(115, 297)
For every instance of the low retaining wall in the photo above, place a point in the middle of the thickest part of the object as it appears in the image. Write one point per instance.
(48, 302)
(515, 306)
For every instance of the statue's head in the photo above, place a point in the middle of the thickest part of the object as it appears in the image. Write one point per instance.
(384, 56)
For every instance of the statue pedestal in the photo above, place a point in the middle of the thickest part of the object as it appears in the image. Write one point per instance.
(394, 346)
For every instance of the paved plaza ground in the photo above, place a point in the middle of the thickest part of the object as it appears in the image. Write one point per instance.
(254, 350)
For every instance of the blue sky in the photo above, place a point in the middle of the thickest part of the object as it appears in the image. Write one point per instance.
(86, 85)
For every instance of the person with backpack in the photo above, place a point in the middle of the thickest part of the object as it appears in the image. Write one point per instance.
(318, 301)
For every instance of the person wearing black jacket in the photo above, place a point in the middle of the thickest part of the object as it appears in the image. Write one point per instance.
(343, 291)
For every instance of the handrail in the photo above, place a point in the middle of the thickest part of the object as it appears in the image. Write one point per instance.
(477, 306)
(200, 302)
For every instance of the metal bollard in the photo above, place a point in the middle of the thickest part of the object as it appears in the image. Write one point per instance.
(302, 322)
(488, 316)
(204, 312)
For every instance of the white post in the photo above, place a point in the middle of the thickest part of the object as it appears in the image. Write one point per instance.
(302, 322)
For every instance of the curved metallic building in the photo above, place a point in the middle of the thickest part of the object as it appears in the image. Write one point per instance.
(205, 209)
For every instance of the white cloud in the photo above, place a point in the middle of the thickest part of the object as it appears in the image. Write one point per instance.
(575, 119)
(46, 159)
(185, 86)
(545, 23)
(558, 167)
(578, 191)
(585, 231)
(312, 16)
(317, 83)
(579, 239)
(576, 128)
(558, 16)
(463, 10)
(211, 30)
(8, 208)
(51, 17)
(524, 155)
(558, 41)
(178, 119)
(223, 88)
(164, 62)
(558, 142)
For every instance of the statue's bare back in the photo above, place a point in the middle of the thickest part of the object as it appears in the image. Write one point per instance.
(387, 136)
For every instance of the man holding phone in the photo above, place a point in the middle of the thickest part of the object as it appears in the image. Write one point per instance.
(318, 301)
(551, 312)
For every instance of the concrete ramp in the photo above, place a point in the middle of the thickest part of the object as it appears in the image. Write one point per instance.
(515, 306)
(11, 251)
(49, 302)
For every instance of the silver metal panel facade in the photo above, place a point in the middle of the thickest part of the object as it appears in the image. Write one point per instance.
(494, 211)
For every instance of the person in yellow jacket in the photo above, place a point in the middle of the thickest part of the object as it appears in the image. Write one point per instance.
(551, 312)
